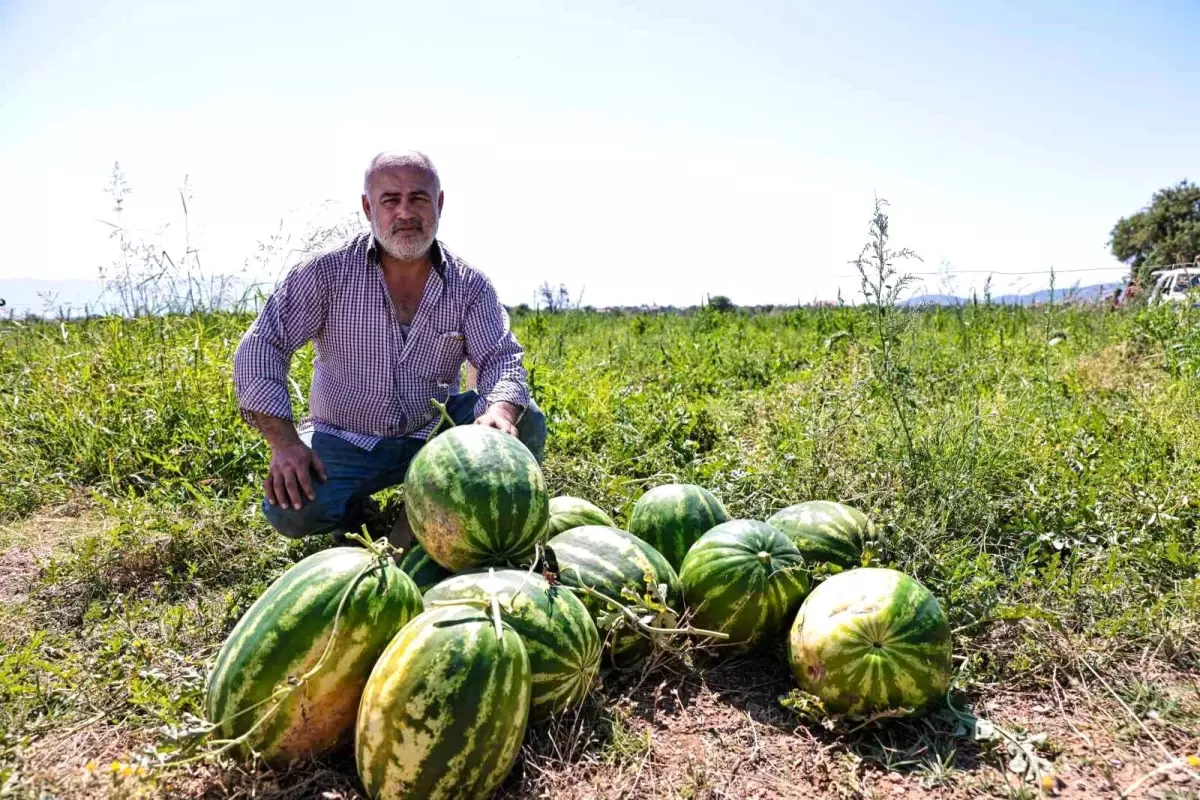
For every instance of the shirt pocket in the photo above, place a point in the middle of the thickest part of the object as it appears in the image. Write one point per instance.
(440, 357)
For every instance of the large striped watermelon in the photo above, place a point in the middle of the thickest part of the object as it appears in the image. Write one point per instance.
(475, 497)
(611, 561)
(871, 639)
(571, 512)
(827, 532)
(283, 635)
(672, 517)
(558, 631)
(444, 711)
(743, 578)
(425, 572)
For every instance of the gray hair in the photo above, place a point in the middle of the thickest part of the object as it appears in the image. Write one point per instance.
(389, 160)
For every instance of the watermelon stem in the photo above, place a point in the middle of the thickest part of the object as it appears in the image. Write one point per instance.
(449, 422)
(632, 617)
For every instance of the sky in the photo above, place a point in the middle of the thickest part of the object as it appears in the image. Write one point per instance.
(654, 152)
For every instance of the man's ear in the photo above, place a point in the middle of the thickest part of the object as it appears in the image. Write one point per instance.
(366, 203)
(441, 201)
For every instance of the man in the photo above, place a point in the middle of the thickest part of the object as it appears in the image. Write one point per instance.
(392, 315)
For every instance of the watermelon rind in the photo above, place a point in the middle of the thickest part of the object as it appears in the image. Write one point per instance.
(476, 497)
(557, 629)
(284, 634)
(743, 578)
(571, 512)
(424, 571)
(827, 532)
(612, 562)
(871, 639)
(444, 712)
(672, 517)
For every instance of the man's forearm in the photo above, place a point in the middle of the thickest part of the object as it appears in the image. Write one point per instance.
(278, 432)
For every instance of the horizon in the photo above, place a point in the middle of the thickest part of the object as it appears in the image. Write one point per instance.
(639, 158)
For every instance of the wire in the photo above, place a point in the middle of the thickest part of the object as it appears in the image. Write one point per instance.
(952, 273)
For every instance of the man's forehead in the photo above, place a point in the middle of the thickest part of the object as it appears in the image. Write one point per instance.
(402, 177)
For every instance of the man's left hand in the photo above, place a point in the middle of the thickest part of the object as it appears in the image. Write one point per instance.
(502, 416)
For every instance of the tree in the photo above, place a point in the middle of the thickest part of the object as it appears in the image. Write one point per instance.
(1165, 232)
(720, 303)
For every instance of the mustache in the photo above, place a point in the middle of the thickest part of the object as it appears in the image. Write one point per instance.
(408, 226)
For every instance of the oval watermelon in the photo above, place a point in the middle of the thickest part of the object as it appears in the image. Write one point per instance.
(871, 640)
(743, 578)
(571, 512)
(827, 532)
(671, 518)
(610, 560)
(476, 497)
(444, 711)
(558, 632)
(284, 634)
(425, 572)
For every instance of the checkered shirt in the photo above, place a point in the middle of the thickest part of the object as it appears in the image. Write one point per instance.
(370, 380)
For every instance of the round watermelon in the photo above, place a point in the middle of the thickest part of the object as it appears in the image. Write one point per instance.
(558, 632)
(424, 571)
(827, 532)
(571, 512)
(284, 634)
(871, 640)
(671, 518)
(476, 497)
(743, 578)
(444, 711)
(611, 561)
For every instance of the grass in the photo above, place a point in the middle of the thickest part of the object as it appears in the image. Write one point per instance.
(1034, 465)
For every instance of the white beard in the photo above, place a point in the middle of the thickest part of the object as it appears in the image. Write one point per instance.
(405, 248)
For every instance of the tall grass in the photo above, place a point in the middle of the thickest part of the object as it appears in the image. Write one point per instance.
(1047, 458)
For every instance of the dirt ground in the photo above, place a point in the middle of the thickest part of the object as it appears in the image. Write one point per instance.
(715, 732)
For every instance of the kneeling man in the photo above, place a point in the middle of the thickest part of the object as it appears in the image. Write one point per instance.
(392, 315)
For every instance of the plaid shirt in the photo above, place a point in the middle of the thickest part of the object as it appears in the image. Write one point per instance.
(371, 380)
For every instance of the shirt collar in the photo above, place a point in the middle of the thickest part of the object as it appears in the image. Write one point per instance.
(435, 254)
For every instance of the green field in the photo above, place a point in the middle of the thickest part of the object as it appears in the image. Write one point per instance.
(1037, 468)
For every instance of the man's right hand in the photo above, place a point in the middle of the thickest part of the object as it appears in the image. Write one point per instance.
(289, 479)
(293, 463)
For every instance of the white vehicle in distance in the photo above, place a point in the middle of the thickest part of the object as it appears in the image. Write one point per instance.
(1176, 285)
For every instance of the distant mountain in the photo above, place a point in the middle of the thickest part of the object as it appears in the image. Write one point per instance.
(1081, 293)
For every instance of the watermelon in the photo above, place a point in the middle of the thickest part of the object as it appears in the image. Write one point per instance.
(571, 512)
(425, 572)
(827, 532)
(743, 578)
(671, 518)
(871, 640)
(284, 634)
(476, 497)
(445, 709)
(558, 632)
(610, 560)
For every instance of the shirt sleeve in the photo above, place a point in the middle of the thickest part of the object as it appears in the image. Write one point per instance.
(292, 317)
(494, 351)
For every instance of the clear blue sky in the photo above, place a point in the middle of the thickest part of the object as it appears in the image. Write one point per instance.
(649, 156)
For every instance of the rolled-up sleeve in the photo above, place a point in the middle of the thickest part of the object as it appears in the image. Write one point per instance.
(292, 317)
(494, 351)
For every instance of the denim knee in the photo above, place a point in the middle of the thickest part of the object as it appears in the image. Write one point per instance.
(531, 430)
(309, 520)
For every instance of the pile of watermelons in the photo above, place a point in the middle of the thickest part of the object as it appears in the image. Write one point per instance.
(524, 596)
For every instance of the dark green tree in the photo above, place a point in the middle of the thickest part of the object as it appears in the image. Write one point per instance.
(720, 303)
(1165, 232)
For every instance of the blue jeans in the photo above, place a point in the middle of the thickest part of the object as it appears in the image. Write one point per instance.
(353, 474)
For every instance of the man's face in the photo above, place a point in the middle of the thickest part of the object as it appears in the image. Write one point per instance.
(403, 204)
